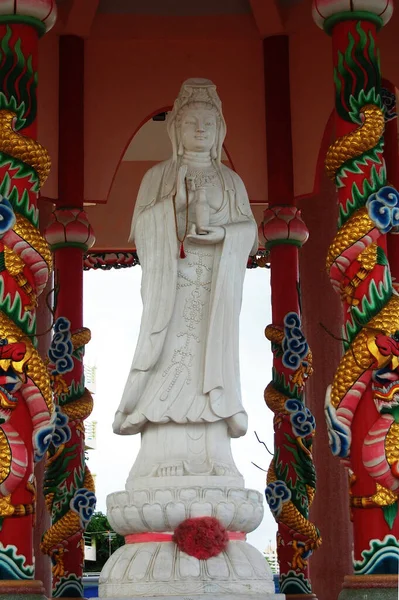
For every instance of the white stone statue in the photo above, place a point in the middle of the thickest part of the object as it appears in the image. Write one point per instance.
(194, 230)
(186, 369)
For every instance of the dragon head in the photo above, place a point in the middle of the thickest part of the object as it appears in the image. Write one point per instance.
(385, 378)
(13, 359)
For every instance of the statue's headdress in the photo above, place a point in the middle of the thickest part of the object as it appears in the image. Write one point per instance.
(196, 91)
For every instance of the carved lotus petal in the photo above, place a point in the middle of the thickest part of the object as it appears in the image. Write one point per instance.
(217, 567)
(242, 565)
(187, 494)
(139, 565)
(162, 570)
(239, 495)
(70, 227)
(140, 497)
(189, 566)
(118, 522)
(225, 513)
(154, 517)
(163, 496)
(133, 520)
(282, 223)
(140, 511)
(244, 514)
(175, 514)
(201, 509)
(163, 565)
(55, 233)
(214, 495)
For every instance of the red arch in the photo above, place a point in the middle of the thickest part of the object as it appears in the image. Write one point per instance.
(140, 125)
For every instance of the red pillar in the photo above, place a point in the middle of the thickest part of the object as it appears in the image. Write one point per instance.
(362, 419)
(69, 235)
(291, 478)
(391, 155)
(320, 307)
(44, 325)
(25, 259)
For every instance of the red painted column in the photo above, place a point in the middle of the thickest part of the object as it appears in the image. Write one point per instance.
(291, 478)
(69, 486)
(320, 307)
(391, 156)
(360, 406)
(44, 325)
(25, 263)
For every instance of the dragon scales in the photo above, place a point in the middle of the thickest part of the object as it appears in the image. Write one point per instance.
(362, 407)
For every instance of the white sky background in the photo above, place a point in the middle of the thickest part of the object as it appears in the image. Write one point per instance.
(112, 310)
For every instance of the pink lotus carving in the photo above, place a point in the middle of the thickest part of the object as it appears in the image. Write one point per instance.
(42, 10)
(70, 227)
(323, 9)
(283, 225)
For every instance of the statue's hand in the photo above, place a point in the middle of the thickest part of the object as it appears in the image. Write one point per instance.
(214, 236)
(181, 190)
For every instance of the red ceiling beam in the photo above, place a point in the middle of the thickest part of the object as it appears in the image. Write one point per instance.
(267, 17)
(78, 17)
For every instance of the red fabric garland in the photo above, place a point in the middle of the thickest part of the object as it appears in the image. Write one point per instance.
(202, 537)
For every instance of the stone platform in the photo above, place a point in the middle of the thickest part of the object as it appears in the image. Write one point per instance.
(159, 569)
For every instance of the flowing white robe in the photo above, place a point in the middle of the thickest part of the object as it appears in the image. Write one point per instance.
(213, 390)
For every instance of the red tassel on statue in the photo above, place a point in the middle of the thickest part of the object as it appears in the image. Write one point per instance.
(182, 253)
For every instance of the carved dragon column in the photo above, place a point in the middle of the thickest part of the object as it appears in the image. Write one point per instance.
(26, 410)
(362, 403)
(291, 479)
(391, 155)
(69, 486)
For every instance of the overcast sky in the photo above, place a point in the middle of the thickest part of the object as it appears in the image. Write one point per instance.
(112, 310)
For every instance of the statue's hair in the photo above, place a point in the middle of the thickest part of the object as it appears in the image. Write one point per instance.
(197, 105)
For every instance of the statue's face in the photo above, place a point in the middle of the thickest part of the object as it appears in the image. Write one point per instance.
(198, 129)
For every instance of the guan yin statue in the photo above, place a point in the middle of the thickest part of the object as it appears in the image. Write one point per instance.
(185, 512)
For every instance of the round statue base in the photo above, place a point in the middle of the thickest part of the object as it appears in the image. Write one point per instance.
(161, 570)
(158, 569)
(372, 587)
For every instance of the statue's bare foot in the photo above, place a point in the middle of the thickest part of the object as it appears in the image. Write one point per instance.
(172, 469)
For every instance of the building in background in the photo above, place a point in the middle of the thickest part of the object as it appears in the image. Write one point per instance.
(271, 557)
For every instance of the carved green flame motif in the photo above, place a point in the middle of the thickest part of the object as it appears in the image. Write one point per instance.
(19, 81)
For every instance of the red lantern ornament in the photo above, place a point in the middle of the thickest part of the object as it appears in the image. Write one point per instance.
(202, 537)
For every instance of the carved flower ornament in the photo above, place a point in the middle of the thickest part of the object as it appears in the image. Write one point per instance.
(325, 9)
(70, 227)
(44, 11)
(283, 225)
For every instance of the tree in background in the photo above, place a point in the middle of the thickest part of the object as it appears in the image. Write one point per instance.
(107, 541)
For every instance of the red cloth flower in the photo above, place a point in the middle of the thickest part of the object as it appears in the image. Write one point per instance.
(202, 537)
